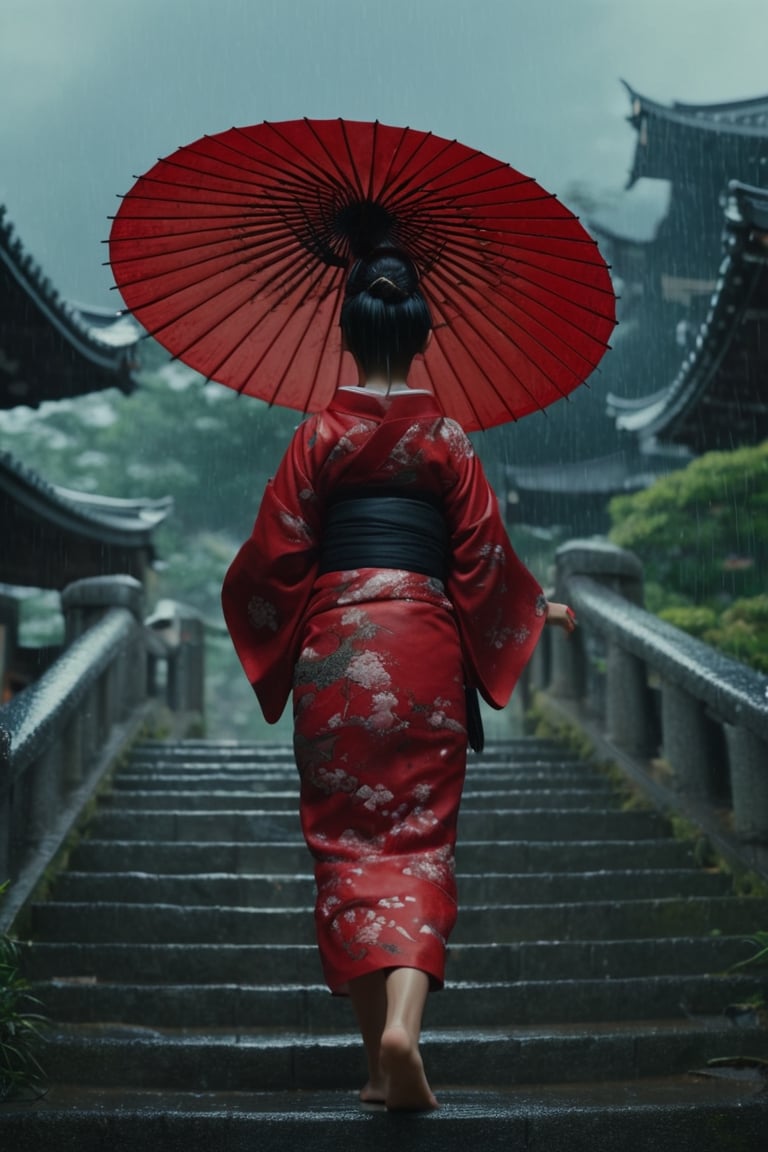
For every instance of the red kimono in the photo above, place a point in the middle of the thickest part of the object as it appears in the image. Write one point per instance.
(377, 660)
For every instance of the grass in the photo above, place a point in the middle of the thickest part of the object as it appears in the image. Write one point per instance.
(21, 1024)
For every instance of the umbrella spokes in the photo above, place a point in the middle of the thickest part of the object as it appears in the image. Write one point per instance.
(234, 250)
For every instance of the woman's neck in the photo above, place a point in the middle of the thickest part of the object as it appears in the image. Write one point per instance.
(381, 381)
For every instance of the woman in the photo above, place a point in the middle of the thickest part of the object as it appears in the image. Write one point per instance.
(377, 584)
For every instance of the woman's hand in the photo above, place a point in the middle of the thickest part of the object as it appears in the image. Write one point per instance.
(561, 616)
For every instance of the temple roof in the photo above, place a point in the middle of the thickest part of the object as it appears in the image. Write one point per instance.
(676, 137)
(51, 349)
(53, 536)
(719, 398)
(577, 493)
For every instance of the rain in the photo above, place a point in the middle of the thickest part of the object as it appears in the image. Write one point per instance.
(95, 91)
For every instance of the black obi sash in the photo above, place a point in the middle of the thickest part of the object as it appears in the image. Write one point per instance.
(382, 527)
(385, 528)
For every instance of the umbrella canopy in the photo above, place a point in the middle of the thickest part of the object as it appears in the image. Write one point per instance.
(233, 253)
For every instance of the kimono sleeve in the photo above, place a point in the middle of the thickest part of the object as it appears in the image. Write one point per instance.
(268, 584)
(499, 604)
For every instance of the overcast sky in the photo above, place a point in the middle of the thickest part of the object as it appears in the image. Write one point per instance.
(93, 91)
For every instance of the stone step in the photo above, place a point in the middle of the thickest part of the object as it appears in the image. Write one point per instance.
(237, 780)
(299, 963)
(497, 923)
(588, 951)
(502, 751)
(683, 1113)
(130, 1058)
(266, 891)
(292, 856)
(285, 763)
(310, 1009)
(474, 824)
(225, 799)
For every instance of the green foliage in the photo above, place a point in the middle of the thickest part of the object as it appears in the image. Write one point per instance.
(742, 631)
(702, 535)
(703, 531)
(697, 620)
(20, 1024)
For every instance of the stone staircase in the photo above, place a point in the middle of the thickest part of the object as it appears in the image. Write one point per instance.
(588, 974)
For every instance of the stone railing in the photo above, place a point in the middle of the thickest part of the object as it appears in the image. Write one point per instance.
(60, 735)
(691, 722)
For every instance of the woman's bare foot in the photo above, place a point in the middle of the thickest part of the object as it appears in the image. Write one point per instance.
(407, 1089)
(374, 1092)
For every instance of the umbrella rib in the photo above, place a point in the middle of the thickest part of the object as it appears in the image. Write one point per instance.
(333, 175)
(407, 177)
(352, 166)
(579, 284)
(228, 261)
(372, 163)
(216, 234)
(435, 382)
(523, 296)
(282, 281)
(406, 194)
(296, 345)
(450, 193)
(309, 323)
(278, 195)
(494, 307)
(298, 166)
(380, 195)
(136, 238)
(283, 179)
(512, 276)
(183, 351)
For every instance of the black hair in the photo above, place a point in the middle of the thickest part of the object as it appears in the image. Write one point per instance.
(385, 318)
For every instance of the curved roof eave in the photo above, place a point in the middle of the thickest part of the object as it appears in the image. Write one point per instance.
(707, 117)
(662, 412)
(740, 120)
(124, 523)
(79, 326)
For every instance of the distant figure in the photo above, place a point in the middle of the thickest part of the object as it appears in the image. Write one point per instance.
(380, 586)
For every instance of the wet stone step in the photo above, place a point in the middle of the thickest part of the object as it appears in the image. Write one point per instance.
(285, 763)
(299, 963)
(599, 920)
(487, 781)
(523, 747)
(523, 1055)
(311, 1008)
(636, 1116)
(245, 890)
(287, 801)
(262, 824)
(472, 856)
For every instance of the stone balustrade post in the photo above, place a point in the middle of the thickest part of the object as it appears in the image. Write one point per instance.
(692, 743)
(83, 604)
(748, 758)
(88, 600)
(616, 569)
(629, 718)
(183, 631)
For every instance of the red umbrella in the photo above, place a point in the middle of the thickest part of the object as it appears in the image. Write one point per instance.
(233, 252)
